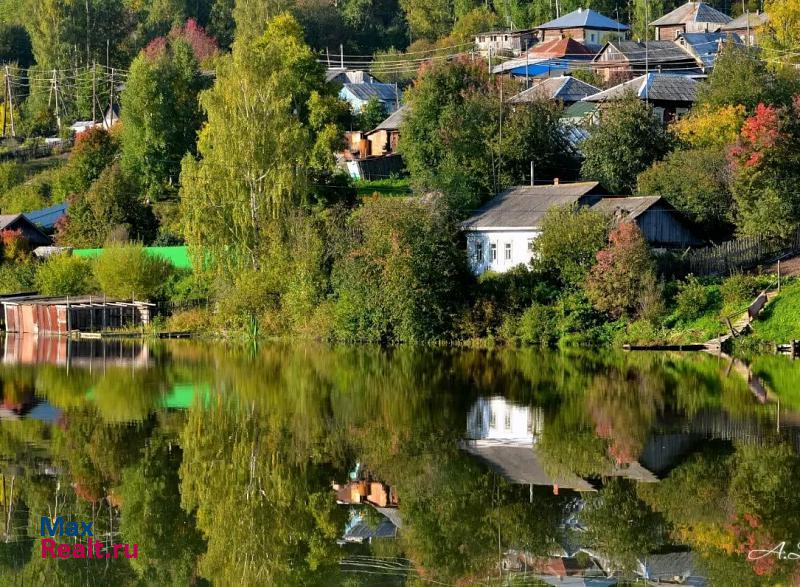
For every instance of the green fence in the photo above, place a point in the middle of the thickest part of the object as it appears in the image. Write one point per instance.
(178, 256)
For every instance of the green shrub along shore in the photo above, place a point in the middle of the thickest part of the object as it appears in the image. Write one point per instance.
(616, 298)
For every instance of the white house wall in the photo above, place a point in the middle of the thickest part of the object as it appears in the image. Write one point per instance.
(520, 249)
(497, 419)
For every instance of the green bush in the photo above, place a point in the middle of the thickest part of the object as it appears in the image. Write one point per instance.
(693, 299)
(401, 275)
(125, 271)
(739, 289)
(17, 277)
(569, 241)
(11, 174)
(538, 326)
(65, 275)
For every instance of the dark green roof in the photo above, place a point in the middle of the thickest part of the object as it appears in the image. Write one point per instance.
(579, 110)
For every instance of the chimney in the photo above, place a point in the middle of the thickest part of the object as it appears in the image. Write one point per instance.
(555, 181)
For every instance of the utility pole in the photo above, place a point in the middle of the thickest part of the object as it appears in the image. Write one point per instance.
(646, 54)
(341, 56)
(8, 106)
(88, 29)
(110, 120)
(54, 93)
(94, 92)
(532, 182)
(328, 56)
(5, 100)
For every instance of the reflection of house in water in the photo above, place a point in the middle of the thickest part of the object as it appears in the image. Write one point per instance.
(496, 419)
(60, 350)
(366, 491)
(360, 529)
(673, 568)
(561, 571)
(504, 436)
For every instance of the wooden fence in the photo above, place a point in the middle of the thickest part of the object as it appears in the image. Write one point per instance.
(740, 254)
(36, 151)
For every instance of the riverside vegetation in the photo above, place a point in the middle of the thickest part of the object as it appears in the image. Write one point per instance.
(240, 166)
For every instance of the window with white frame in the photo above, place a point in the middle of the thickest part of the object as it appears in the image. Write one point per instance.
(530, 245)
(479, 252)
(508, 252)
(494, 251)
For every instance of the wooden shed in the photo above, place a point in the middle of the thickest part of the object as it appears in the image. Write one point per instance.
(62, 315)
(661, 224)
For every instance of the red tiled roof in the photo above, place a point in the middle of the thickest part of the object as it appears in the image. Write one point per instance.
(560, 48)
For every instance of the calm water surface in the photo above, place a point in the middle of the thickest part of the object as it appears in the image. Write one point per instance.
(317, 465)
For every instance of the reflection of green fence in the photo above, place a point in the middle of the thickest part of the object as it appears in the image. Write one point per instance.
(180, 397)
(178, 256)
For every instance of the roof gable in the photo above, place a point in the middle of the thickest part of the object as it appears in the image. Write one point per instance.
(751, 20)
(393, 121)
(523, 207)
(584, 18)
(692, 12)
(654, 52)
(564, 88)
(383, 92)
(652, 86)
(568, 47)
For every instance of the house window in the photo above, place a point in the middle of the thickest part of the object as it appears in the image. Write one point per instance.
(591, 37)
(508, 421)
(493, 420)
(530, 245)
(508, 252)
(478, 252)
(494, 251)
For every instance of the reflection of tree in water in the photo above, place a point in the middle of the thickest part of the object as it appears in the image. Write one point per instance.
(238, 490)
(267, 516)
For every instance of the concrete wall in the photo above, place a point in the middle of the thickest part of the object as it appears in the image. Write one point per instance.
(482, 241)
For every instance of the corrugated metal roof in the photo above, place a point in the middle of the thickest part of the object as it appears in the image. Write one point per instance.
(631, 206)
(568, 47)
(654, 52)
(524, 206)
(752, 20)
(394, 120)
(384, 92)
(565, 88)
(668, 567)
(47, 217)
(706, 46)
(653, 86)
(584, 17)
(692, 12)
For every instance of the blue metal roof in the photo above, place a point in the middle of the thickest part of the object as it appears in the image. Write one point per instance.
(584, 17)
(384, 92)
(47, 217)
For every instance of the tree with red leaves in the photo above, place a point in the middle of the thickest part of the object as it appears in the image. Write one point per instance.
(765, 171)
(16, 247)
(623, 272)
(203, 45)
